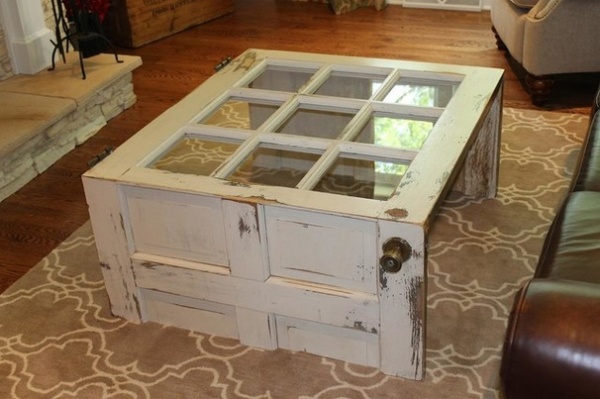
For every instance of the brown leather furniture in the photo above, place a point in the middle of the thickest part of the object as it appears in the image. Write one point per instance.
(552, 346)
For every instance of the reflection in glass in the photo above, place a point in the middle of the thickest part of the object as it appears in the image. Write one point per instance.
(240, 114)
(196, 156)
(280, 78)
(350, 85)
(274, 167)
(362, 178)
(421, 93)
(395, 132)
(316, 123)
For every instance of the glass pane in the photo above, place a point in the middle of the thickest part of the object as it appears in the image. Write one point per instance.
(362, 178)
(280, 78)
(274, 167)
(196, 156)
(240, 114)
(316, 123)
(350, 85)
(421, 93)
(395, 132)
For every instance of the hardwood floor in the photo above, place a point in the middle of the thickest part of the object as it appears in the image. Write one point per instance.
(41, 215)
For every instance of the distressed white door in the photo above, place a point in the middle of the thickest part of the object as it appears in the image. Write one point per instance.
(286, 202)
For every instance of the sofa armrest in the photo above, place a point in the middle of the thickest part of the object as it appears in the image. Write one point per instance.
(552, 346)
(550, 48)
(542, 8)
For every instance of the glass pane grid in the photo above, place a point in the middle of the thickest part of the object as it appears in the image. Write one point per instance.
(344, 95)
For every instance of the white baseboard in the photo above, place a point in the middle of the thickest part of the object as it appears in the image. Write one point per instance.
(486, 4)
(32, 55)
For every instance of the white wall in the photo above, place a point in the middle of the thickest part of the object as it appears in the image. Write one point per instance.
(26, 35)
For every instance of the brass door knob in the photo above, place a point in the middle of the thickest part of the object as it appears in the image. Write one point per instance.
(396, 251)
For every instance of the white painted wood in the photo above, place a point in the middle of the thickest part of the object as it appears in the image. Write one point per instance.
(292, 267)
(402, 298)
(256, 329)
(349, 344)
(177, 224)
(245, 233)
(479, 176)
(343, 308)
(321, 248)
(106, 216)
(193, 314)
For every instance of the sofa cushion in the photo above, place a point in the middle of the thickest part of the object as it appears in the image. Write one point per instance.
(589, 170)
(572, 247)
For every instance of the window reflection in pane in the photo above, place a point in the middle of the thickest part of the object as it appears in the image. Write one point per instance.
(316, 123)
(240, 114)
(362, 178)
(350, 86)
(421, 93)
(196, 156)
(396, 132)
(274, 167)
(280, 78)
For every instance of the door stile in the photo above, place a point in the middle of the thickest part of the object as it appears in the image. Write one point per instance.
(402, 303)
(105, 208)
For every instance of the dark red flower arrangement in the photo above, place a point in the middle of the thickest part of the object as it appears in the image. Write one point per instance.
(97, 7)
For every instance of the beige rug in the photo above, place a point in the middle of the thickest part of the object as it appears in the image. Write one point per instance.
(58, 340)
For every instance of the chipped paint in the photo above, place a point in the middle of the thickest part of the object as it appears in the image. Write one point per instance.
(262, 199)
(234, 183)
(358, 325)
(397, 213)
(382, 279)
(246, 62)
(414, 295)
(105, 265)
(243, 227)
(150, 265)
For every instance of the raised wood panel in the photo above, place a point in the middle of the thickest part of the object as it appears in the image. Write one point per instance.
(277, 296)
(256, 328)
(349, 344)
(193, 314)
(176, 224)
(244, 229)
(321, 248)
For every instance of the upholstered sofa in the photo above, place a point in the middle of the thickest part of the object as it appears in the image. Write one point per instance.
(552, 346)
(548, 38)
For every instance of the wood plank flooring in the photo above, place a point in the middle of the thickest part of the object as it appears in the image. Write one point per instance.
(41, 215)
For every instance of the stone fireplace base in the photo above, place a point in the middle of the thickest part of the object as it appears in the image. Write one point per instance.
(44, 116)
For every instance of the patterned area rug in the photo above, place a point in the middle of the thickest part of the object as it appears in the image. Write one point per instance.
(58, 339)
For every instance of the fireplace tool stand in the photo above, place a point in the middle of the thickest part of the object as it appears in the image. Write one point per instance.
(83, 31)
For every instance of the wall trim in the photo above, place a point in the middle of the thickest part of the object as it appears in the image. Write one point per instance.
(27, 36)
(486, 4)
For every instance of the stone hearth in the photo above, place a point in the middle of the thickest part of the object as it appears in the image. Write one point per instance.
(44, 116)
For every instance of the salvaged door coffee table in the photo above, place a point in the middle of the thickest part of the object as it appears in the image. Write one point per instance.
(286, 202)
